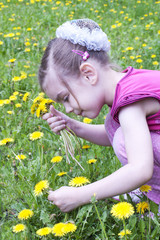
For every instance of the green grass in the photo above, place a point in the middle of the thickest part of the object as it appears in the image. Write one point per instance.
(128, 24)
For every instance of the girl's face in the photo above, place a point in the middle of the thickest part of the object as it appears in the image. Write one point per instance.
(77, 95)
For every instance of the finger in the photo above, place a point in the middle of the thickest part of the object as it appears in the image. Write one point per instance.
(51, 196)
(46, 116)
(54, 111)
(58, 129)
(53, 120)
(57, 123)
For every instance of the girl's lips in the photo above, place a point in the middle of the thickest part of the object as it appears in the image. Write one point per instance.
(82, 114)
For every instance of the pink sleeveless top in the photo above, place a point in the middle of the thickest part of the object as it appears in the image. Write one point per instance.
(134, 86)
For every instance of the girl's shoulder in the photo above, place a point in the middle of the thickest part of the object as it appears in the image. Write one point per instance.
(136, 85)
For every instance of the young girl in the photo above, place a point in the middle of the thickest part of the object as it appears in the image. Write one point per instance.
(76, 71)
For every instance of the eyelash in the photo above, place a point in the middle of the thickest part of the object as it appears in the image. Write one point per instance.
(66, 98)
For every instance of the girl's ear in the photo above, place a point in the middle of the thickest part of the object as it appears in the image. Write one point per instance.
(89, 72)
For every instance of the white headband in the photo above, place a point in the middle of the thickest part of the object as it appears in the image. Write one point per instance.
(94, 39)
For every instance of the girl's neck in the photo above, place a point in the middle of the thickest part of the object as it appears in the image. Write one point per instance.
(111, 78)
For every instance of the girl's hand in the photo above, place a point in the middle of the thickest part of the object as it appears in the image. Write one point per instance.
(65, 198)
(57, 120)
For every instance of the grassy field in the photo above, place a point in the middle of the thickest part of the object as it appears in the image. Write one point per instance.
(133, 27)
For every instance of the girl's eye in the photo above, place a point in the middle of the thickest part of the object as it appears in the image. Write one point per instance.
(66, 98)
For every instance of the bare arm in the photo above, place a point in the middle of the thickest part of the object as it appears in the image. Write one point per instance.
(137, 172)
(139, 153)
(92, 133)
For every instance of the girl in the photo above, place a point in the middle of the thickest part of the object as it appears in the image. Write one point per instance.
(76, 71)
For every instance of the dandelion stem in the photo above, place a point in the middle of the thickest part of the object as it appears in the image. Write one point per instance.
(102, 225)
(66, 217)
(69, 146)
(149, 227)
(124, 225)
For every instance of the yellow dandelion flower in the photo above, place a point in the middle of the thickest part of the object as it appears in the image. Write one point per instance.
(78, 181)
(6, 140)
(40, 187)
(12, 60)
(153, 55)
(23, 75)
(57, 229)
(69, 227)
(56, 159)
(35, 135)
(25, 214)
(44, 231)
(113, 26)
(139, 60)
(124, 232)
(122, 210)
(60, 229)
(26, 66)
(9, 35)
(12, 98)
(58, 2)
(27, 49)
(27, 43)
(38, 99)
(21, 157)
(32, 75)
(19, 228)
(25, 97)
(10, 112)
(7, 101)
(16, 79)
(85, 146)
(1, 42)
(34, 107)
(38, 111)
(142, 207)
(158, 31)
(155, 63)
(2, 102)
(16, 93)
(61, 174)
(129, 48)
(145, 188)
(87, 120)
(18, 105)
(41, 108)
(91, 161)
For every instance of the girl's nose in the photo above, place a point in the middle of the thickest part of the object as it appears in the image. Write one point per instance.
(69, 109)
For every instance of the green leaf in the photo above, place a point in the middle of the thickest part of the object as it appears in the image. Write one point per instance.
(153, 207)
(142, 225)
(44, 216)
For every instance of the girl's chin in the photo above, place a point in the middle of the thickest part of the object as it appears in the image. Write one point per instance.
(91, 116)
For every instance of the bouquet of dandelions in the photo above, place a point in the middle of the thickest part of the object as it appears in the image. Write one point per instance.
(40, 106)
(67, 135)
